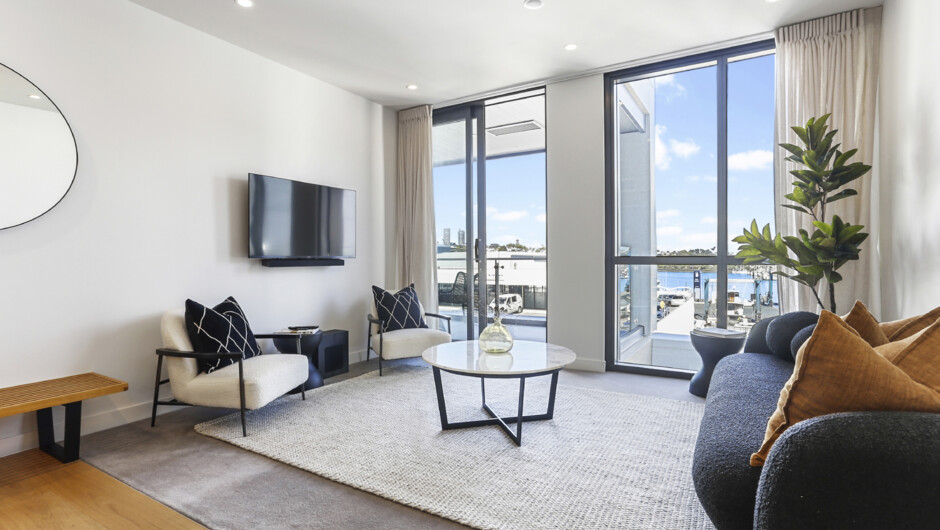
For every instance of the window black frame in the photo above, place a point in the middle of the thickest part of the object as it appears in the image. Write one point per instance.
(467, 112)
(722, 260)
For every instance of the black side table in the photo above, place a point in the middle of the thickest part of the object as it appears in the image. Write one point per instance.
(328, 350)
(712, 345)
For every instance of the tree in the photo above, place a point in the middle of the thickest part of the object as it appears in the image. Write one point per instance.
(812, 257)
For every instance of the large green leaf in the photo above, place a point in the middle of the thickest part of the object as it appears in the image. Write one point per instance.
(841, 195)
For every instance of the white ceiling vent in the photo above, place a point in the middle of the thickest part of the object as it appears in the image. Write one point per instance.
(512, 128)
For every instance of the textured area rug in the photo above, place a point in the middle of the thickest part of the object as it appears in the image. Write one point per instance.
(606, 460)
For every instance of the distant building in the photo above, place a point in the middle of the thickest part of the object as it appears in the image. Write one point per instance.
(447, 236)
(461, 238)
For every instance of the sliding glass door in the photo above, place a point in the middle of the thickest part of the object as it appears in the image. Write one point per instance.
(490, 212)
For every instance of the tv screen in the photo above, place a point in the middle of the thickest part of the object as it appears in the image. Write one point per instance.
(290, 219)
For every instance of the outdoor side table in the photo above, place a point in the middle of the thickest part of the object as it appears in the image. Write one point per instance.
(712, 345)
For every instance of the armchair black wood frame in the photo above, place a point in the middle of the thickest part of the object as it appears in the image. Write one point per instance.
(237, 356)
(382, 325)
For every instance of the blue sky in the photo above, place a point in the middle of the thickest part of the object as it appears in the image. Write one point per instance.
(515, 200)
(686, 167)
(686, 148)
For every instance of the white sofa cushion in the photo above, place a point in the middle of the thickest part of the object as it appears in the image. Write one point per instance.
(267, 377)
(403, 343)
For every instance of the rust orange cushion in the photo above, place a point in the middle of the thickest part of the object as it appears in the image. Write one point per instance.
(837, 371)
(904, 328)
(863, 322)
(918, 355)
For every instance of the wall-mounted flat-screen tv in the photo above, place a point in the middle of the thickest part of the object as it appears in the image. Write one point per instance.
(288, 219)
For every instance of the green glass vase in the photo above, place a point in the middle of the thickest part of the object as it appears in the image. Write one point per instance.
(496, 338)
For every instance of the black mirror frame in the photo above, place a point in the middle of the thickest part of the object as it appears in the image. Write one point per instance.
(74, 144)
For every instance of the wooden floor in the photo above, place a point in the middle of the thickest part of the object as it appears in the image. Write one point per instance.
(37, 491)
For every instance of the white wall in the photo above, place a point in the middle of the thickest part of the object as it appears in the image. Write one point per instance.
(168, 123)
(909, 114)
(576, 229)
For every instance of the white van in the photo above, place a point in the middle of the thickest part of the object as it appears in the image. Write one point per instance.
(508, 303)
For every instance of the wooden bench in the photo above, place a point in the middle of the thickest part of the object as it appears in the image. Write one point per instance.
(68, 391)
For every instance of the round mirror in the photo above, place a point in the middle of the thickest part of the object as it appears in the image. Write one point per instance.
(38, 155)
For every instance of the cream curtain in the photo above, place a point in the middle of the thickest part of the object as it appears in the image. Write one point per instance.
(830, 65)
(414, 229)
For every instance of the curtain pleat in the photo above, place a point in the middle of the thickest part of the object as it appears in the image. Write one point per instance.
(414, 232)
(830, 65)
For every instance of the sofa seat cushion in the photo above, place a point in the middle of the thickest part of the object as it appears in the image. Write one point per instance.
(267, 377)
(742, 396)
(403, 343)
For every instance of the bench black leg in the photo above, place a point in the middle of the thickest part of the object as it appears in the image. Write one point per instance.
(68, 451)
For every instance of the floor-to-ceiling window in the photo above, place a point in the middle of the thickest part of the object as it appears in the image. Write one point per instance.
(690, 163)
(490, 212)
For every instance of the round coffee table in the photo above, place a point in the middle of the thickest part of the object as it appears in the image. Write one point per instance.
(526, 359)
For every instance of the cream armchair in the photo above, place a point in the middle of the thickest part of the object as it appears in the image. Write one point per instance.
(402, 343)
(248, 384)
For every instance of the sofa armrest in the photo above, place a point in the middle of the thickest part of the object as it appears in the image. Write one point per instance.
(853, 470)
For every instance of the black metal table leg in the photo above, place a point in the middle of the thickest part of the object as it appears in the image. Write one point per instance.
(494, 419)
(518, 439)
(440, 398)
(551, 396)
(68, 450)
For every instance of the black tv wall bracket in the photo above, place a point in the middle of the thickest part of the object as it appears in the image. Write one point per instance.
(289, 262)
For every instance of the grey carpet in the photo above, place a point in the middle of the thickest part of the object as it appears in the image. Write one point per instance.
(169, 463)
(607, 460)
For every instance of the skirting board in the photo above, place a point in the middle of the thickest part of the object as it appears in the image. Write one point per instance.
(101, 421)
(131, 413)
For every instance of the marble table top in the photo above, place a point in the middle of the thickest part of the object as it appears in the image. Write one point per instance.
(526, 357)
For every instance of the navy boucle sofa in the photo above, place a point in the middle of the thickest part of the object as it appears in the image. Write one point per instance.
(847, 470)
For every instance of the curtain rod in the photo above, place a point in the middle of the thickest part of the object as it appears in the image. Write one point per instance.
(609, 68)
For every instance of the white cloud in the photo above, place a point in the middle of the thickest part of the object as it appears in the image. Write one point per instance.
(749, 160)
(514, 215)
(683, 149)
(490, 210)
(540, 217)
(669, 86)
(699, 178)
(663, 149)
(660, 149)
(665, 231)
(665, 214)
(699, 239)
(503, 239)
(708, 220)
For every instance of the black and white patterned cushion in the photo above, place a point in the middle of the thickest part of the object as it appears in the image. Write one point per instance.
(223, 328)
(398, 310)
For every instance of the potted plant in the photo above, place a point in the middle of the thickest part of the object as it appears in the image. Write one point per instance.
(812, 257)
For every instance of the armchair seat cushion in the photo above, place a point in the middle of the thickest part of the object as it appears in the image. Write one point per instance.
(403, 343)
(267, 377)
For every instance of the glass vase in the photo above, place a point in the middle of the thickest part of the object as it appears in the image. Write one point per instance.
(496, 338)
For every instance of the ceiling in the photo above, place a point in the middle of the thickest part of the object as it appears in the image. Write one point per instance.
(453, 49)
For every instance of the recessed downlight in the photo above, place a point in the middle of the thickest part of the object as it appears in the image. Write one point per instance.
(533, 4)
(411, 87)
(35, 96)
(245, 3)
(571, 47)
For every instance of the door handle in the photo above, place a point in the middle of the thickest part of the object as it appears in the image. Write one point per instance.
(476, 249)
